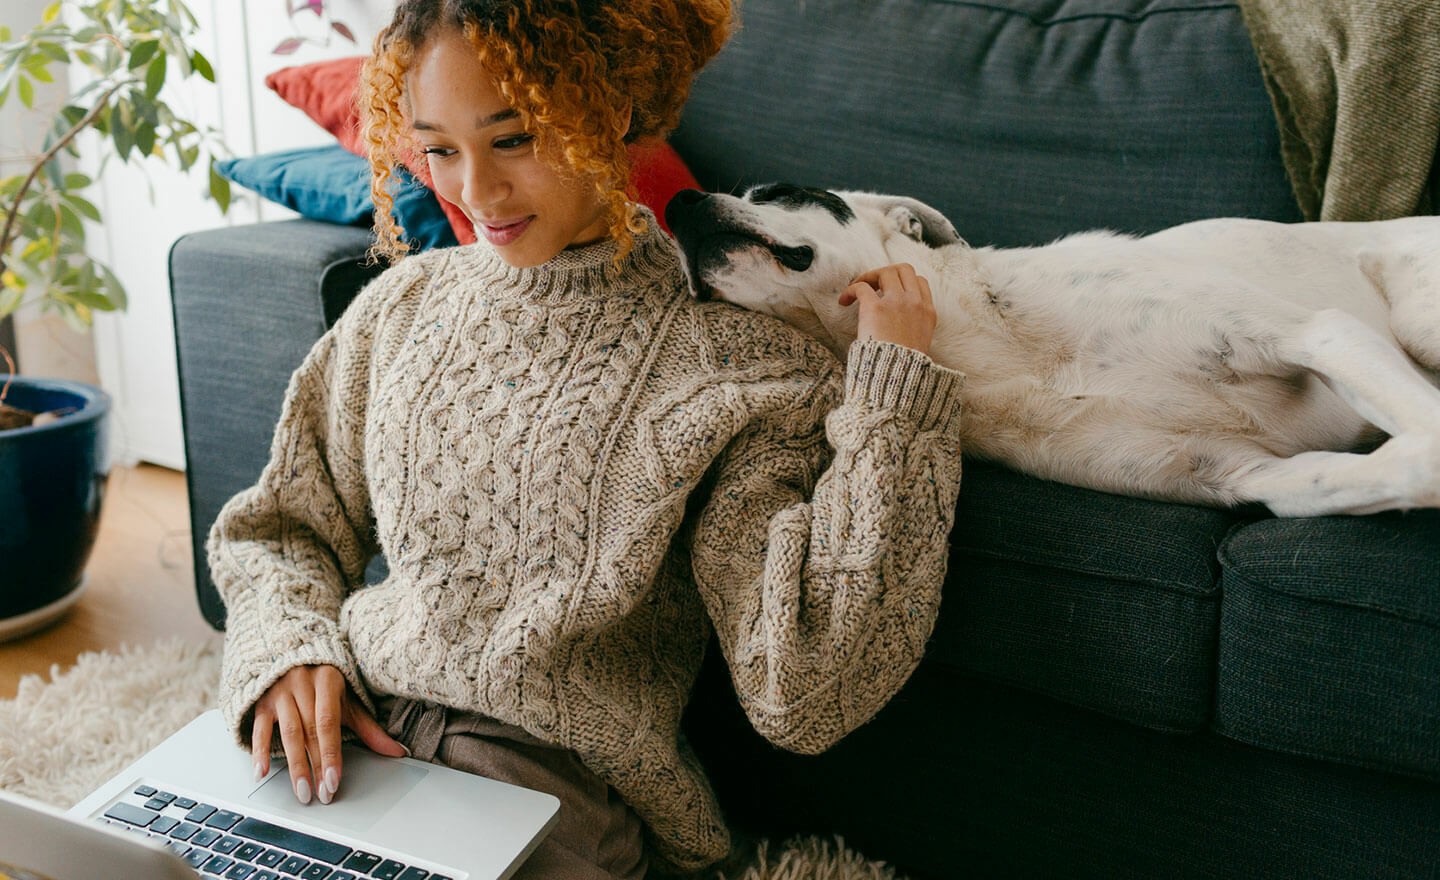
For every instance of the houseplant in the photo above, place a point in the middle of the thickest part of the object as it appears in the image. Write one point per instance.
(53, 461)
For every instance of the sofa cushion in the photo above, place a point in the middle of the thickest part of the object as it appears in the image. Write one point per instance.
(1330, 639)
(1021, 120)
(332, 184)
(1098, 600)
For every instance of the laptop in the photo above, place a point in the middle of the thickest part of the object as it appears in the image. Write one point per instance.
(191, 807)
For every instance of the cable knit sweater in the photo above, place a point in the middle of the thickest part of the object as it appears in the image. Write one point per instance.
(574, 473)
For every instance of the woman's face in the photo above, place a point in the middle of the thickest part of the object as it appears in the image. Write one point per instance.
(484, 161)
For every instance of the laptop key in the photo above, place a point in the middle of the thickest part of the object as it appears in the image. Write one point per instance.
(362, 861)
(293, 865)
(327, 851)
(227, 844)
(388, 870)
(316, 871)
(223, 819)
(184, 831)
(413, 874)
(144, 791)
(205, 837)
(199, 813)
(164, 825)
(132, 814)
(263, 874)
(184, 803)
(217, 865)
(248, 852)
(241, 871)
(270, 858)
(196, 857)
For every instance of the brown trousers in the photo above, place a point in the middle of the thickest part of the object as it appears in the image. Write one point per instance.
(596, 837)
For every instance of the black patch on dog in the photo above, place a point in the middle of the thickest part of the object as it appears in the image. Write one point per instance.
(789, 195)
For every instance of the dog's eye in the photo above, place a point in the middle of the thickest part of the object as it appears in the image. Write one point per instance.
(796, 259)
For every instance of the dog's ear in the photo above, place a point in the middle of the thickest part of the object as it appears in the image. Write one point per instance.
(911, 218)
(921, 222)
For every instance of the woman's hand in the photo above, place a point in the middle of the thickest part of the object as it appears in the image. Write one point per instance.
(895, 306)
(309, 704)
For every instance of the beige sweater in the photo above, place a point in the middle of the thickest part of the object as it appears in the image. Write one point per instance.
(525, 445)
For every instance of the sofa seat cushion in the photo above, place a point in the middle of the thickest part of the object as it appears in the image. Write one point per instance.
(1330, 639)
(1098, 600)
(1021, 120)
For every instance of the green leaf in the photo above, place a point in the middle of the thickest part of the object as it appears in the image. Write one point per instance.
(75, 180)
(26, 91)
(10, 297)
(145, 139)
(155, 77)
(219, 188)
(55, 51)
(202, 66)
(70, 224)
(142, 53)
(84, 206)
(51, 13)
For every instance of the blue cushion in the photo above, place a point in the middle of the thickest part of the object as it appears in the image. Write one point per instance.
(333, 184)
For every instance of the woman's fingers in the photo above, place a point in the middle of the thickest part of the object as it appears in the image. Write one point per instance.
(260, 733)
(311, 706)
(297, 749)
(330, 699)
(895, 306)
(371, 733)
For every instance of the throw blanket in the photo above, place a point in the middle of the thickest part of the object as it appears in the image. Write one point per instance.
(1356, 89)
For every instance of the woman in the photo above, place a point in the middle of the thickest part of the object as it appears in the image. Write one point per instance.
(574, 470)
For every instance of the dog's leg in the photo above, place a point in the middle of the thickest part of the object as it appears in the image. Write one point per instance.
(1407, 274)
(1384, 387)
(1401, 475)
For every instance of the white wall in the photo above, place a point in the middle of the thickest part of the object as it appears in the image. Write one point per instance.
(145, 212)
(46, 345)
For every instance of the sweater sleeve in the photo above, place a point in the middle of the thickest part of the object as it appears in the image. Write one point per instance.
(285, 552)
(823, 600)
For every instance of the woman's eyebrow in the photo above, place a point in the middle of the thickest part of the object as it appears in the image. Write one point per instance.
(482, 122)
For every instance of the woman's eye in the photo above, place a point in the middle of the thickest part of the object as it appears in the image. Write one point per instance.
(438, 152)
(514, 142)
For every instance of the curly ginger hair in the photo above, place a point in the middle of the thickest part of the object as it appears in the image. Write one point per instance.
(576, 71)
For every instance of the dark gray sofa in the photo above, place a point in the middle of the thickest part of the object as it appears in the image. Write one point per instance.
(1115, 688)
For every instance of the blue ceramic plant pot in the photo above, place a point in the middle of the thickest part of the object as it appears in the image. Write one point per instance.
(52, 483)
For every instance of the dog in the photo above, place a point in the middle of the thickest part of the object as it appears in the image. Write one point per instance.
(1222, 362)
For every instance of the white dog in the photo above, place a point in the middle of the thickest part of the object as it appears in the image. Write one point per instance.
(1220, 362)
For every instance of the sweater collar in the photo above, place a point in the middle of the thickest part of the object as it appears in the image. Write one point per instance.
(580, 273)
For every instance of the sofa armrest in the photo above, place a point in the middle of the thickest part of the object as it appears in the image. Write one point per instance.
(249, 302)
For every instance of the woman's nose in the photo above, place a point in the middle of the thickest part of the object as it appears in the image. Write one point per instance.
(483, 186)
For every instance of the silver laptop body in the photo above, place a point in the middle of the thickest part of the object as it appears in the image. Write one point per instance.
(393, 817)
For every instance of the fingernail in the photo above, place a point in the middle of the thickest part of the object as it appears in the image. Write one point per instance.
(405, 750)
(324, 793)
(302, 790)
(259, 771)
(332, 780)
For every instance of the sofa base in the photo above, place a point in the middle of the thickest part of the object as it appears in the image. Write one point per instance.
(1029, 787)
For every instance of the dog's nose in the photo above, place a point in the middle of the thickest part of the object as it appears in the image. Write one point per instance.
(682, 203)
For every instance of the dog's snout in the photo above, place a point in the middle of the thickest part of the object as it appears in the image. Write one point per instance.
(682, 204)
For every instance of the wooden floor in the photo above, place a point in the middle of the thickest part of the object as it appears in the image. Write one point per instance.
(140, 584)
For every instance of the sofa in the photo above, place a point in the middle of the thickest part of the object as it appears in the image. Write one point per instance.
(1115, 687)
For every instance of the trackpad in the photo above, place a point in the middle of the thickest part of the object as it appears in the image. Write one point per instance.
(369, 787)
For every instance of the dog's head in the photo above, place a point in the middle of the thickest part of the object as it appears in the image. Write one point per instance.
(789, 251)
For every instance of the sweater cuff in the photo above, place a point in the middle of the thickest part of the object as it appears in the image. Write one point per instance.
(887, 376)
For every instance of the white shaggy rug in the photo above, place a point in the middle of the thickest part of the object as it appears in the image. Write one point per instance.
(61, 738)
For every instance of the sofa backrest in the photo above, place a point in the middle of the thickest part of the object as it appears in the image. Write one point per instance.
(1022, 120)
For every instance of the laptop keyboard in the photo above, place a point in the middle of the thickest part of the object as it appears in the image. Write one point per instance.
(223, 843)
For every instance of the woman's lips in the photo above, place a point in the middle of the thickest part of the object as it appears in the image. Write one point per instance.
(505, 232)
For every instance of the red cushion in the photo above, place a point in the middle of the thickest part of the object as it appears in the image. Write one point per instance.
(326, 92)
